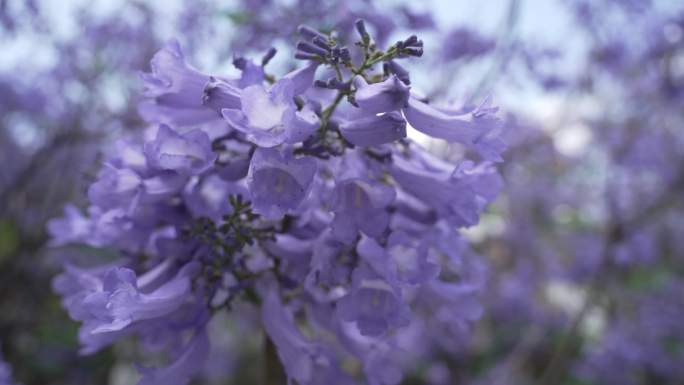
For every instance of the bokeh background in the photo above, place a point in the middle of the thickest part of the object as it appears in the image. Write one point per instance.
(584, 246)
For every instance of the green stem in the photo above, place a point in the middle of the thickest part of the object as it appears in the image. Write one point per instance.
(338, 72)
(370, 61)
(327, 113)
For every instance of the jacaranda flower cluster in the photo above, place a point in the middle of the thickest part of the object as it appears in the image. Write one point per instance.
(301, 195)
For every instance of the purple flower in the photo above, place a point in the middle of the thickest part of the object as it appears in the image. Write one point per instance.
(187, 154)
(176, 89)
(360, 205)
(119, 302)
(269, 117)
(373, 304)
(478, 130)
(458, 196)
(278, 182)
(374, 130)
(112, 301)
(389, 95)
(171, 79)
(330, 216)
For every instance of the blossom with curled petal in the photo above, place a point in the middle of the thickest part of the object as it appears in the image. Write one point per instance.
(113, 300)
(175, 90)
(478, 130)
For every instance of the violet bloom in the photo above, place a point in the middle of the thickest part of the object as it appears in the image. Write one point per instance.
(360, 205)
(278, 182)
(220, 93)
(189, 362)
(459, 196)
(120, 302)
(188, 154)
(389, 95)
(113, 301)
(478, 130)
(177, 90)
(374, 130)
(373, 304)
(269, 117)
(171, 78)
